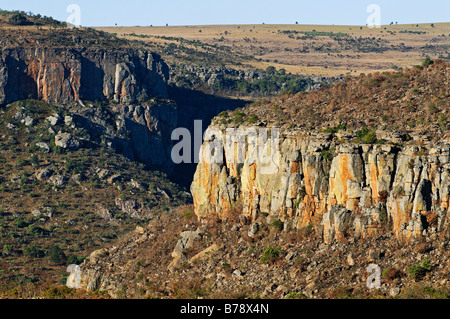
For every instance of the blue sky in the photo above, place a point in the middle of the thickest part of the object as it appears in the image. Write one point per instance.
(200, 12)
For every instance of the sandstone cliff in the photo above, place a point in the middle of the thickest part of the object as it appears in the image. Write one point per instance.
(61, 75)
(341, 189)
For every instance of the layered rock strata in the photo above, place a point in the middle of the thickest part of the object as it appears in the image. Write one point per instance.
(341, 190)
(60, 76)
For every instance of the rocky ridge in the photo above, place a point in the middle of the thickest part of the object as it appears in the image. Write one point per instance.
(60, 76)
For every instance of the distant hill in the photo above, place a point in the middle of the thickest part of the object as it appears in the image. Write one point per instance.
(21, 18)
(318, 50)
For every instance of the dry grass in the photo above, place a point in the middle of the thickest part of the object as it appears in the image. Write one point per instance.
(270, 46)
(415, 98)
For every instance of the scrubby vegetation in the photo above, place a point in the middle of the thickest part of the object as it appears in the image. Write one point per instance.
(253, 82)
(58, 205)
(21, 18)
(414, 98)
(36, 30)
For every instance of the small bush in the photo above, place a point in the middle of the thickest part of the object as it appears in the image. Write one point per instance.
(302, 193)
(18, 19)
(73, 259)
(383, 215)
(33, 251)
(56, 255)
(423, 292)
(427, 62)
(296, 295)
(61, 292)
(418, 271)
(34, 159)
(277, 224)
(188, 214)
(328, 155)
(271, 254)
(336, 129)
(399, 191)
(20, 223)
(252, 119)
(367, 137)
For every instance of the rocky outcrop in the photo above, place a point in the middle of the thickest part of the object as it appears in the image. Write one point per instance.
(342, 190)
(60, 76)
(142, 133)
(240, 82)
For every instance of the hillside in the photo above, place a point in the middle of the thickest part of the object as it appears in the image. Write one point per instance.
(21, 19)
(65, 193)
(415, 100)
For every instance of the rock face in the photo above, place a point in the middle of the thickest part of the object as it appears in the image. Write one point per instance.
(140, 132)
(341, 189)
(61, 76)
(66, 141)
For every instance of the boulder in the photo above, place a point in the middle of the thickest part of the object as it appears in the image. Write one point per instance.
(204, 253)
(28, 121)
(54, 119)
(66, 141)
(57, 180)
(43, 146)
(44, 174)
(186, 241)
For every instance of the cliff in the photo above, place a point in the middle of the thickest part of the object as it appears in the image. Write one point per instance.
(341, 189)
(63, 75)
(67, 66)
(362, 157)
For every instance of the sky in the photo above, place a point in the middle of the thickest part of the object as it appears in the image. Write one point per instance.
(204, 12)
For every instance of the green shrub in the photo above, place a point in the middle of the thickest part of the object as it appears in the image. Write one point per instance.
(336, 129)
(252, 119)
(18, 19)
(20, 223)
(21, 161)
(427, 62)
(188, 214)
(271, 254)
(73, 259)
(34, 159)
(7, 249)
(302, 192)
(36, 230)
(367, 136)
(238, 117)
(423, 292)
(418, 271)
(277, 224)
(33, 251)
(56, 255)
(383, 215)
(328, 155)
(296, 295)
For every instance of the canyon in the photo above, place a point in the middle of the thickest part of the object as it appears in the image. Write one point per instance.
(293, 194)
